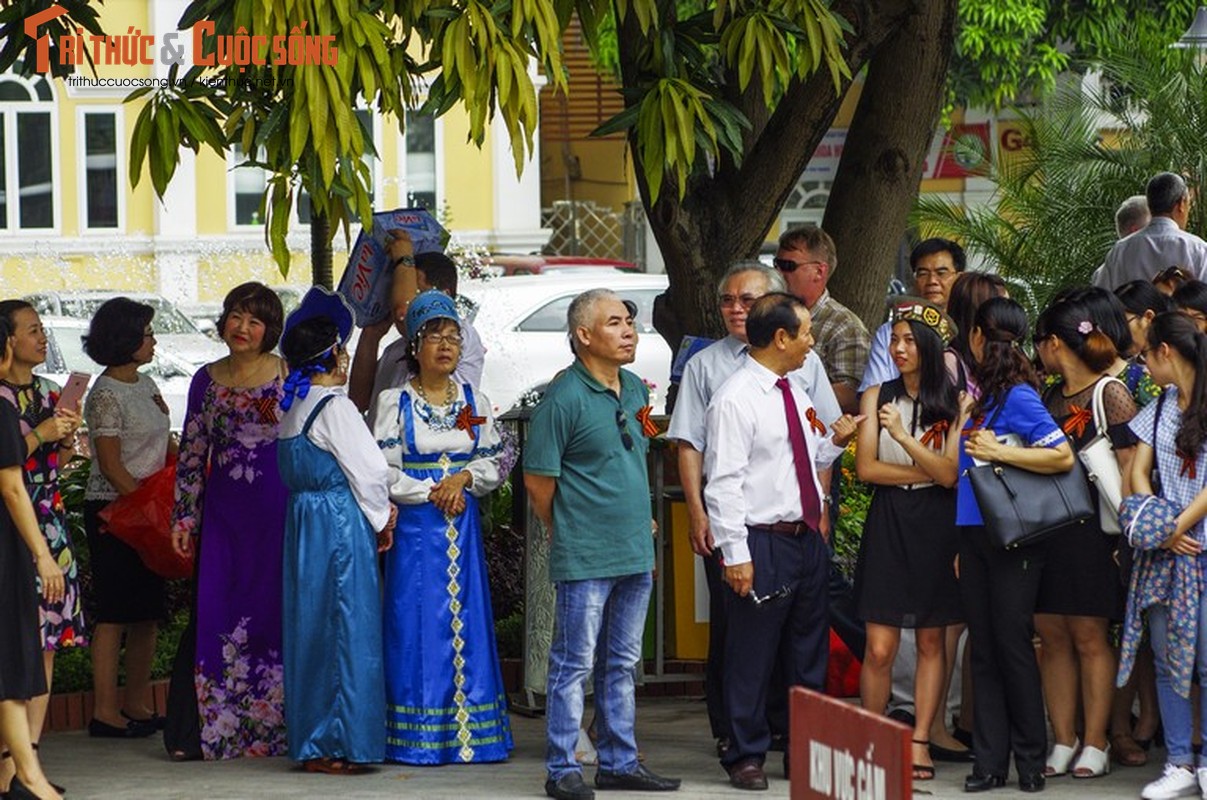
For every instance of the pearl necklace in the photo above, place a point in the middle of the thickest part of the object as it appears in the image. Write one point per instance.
(438, 421)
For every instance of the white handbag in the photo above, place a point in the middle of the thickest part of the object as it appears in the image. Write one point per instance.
(1098, 458)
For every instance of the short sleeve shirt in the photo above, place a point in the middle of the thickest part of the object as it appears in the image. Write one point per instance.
(1023, 414)
(842, 340)
(601, 507)
(136, 414)
(1180, 482)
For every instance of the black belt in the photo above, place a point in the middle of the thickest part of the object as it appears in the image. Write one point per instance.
(786, 528)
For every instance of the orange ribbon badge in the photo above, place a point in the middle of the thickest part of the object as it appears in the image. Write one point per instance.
(977, 422)
(466, 421)
(935, 434)
(648, 427)
(814, 423)
(1188, 469)
(1074, 424)
(267, 406)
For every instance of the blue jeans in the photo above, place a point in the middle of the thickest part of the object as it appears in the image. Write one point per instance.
(1176, 710)
(610, 613)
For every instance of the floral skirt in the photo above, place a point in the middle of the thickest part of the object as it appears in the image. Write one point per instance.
(62, 621)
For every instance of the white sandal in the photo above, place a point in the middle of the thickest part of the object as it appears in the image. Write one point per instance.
(1092, 763)
(1060, 758)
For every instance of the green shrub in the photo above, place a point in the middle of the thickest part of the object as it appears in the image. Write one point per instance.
(856, 496)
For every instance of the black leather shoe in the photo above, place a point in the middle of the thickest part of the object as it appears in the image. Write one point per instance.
(132, 730)
(1031, 783)
(569, 787)
(639, 780)
(983, 783)
(748, 774)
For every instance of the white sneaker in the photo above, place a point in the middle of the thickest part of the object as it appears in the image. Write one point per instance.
(1201, 772)
(1176, 782)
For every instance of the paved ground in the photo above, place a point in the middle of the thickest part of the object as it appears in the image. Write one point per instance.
(673, 733)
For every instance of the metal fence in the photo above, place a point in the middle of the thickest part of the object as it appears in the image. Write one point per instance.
(586, 228)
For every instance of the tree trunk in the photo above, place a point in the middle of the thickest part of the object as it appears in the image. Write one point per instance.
(321, 271)
(725, 214)
(881, 166)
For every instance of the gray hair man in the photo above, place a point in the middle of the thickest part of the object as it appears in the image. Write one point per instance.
(585, 472)
(1162, 243)
(741, 285)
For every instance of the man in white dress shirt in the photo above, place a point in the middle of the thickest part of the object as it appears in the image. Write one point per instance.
(743, 284)
(766, 446)
(1163, 243)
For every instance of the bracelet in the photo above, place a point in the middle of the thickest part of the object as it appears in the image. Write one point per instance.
(38, 436)
(405, 260)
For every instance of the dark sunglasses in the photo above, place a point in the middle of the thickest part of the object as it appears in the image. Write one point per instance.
(788, 265)
(626, 438)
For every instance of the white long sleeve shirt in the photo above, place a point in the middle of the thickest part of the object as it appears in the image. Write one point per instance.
(751, 474)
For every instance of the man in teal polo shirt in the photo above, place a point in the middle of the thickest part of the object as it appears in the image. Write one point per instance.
(585, 472)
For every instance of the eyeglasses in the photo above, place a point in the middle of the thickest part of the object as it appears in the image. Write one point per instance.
(783, 591)
(622, 422)
(943, 273)
(788, 265)
(732, 301)
(442, 338)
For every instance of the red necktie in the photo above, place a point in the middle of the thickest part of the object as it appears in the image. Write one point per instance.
(809, 503)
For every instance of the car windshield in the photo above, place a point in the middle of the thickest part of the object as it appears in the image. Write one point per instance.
(72, 349)
(167, 320)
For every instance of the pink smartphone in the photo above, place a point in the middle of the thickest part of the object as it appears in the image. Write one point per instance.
(73, 390)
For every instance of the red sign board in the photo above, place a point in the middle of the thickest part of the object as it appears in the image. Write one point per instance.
(838, 751)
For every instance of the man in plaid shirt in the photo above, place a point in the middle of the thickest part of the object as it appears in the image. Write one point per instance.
(806, 257)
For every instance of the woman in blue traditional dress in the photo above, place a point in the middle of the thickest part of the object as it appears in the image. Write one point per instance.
(339, 516)
(444, 690)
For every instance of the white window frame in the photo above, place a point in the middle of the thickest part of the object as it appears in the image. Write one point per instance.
(81, 161)
(403, 185)
(232, 167)
(8, 117)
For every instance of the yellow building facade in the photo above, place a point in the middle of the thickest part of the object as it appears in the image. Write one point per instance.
(69, 218)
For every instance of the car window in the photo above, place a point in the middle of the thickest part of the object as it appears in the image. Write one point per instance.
(71, 350)
(551, 317)
(168, 318)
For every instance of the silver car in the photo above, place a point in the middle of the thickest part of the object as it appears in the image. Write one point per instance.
(176, 334)
(65, 354)
(522, 321)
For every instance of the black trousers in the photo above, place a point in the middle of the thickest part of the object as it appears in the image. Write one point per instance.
(714, 669)
(792, 630)
(999, 590)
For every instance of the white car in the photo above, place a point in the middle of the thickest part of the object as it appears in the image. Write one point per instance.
(175, 333)
(522, 321)
(65, 354)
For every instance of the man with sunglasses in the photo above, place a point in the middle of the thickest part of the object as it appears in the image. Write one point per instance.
(766, 448)
(585, 472)
(740, 287)
(806, 257)
(1163, 242)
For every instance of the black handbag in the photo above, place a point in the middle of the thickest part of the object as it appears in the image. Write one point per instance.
(1021, 507)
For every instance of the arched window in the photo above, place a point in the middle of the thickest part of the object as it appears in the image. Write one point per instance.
(28, 169)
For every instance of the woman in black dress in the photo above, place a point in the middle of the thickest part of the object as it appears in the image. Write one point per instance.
(1080, 592)
(905, 577)
(21, 675)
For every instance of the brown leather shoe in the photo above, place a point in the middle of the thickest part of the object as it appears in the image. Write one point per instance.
(748, 774)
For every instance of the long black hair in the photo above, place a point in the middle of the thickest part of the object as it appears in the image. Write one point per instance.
(1003, 365)
(967, 294)
(937, 395)
(1182, 334)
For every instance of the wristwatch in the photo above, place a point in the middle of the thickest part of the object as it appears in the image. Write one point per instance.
(407, 260)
